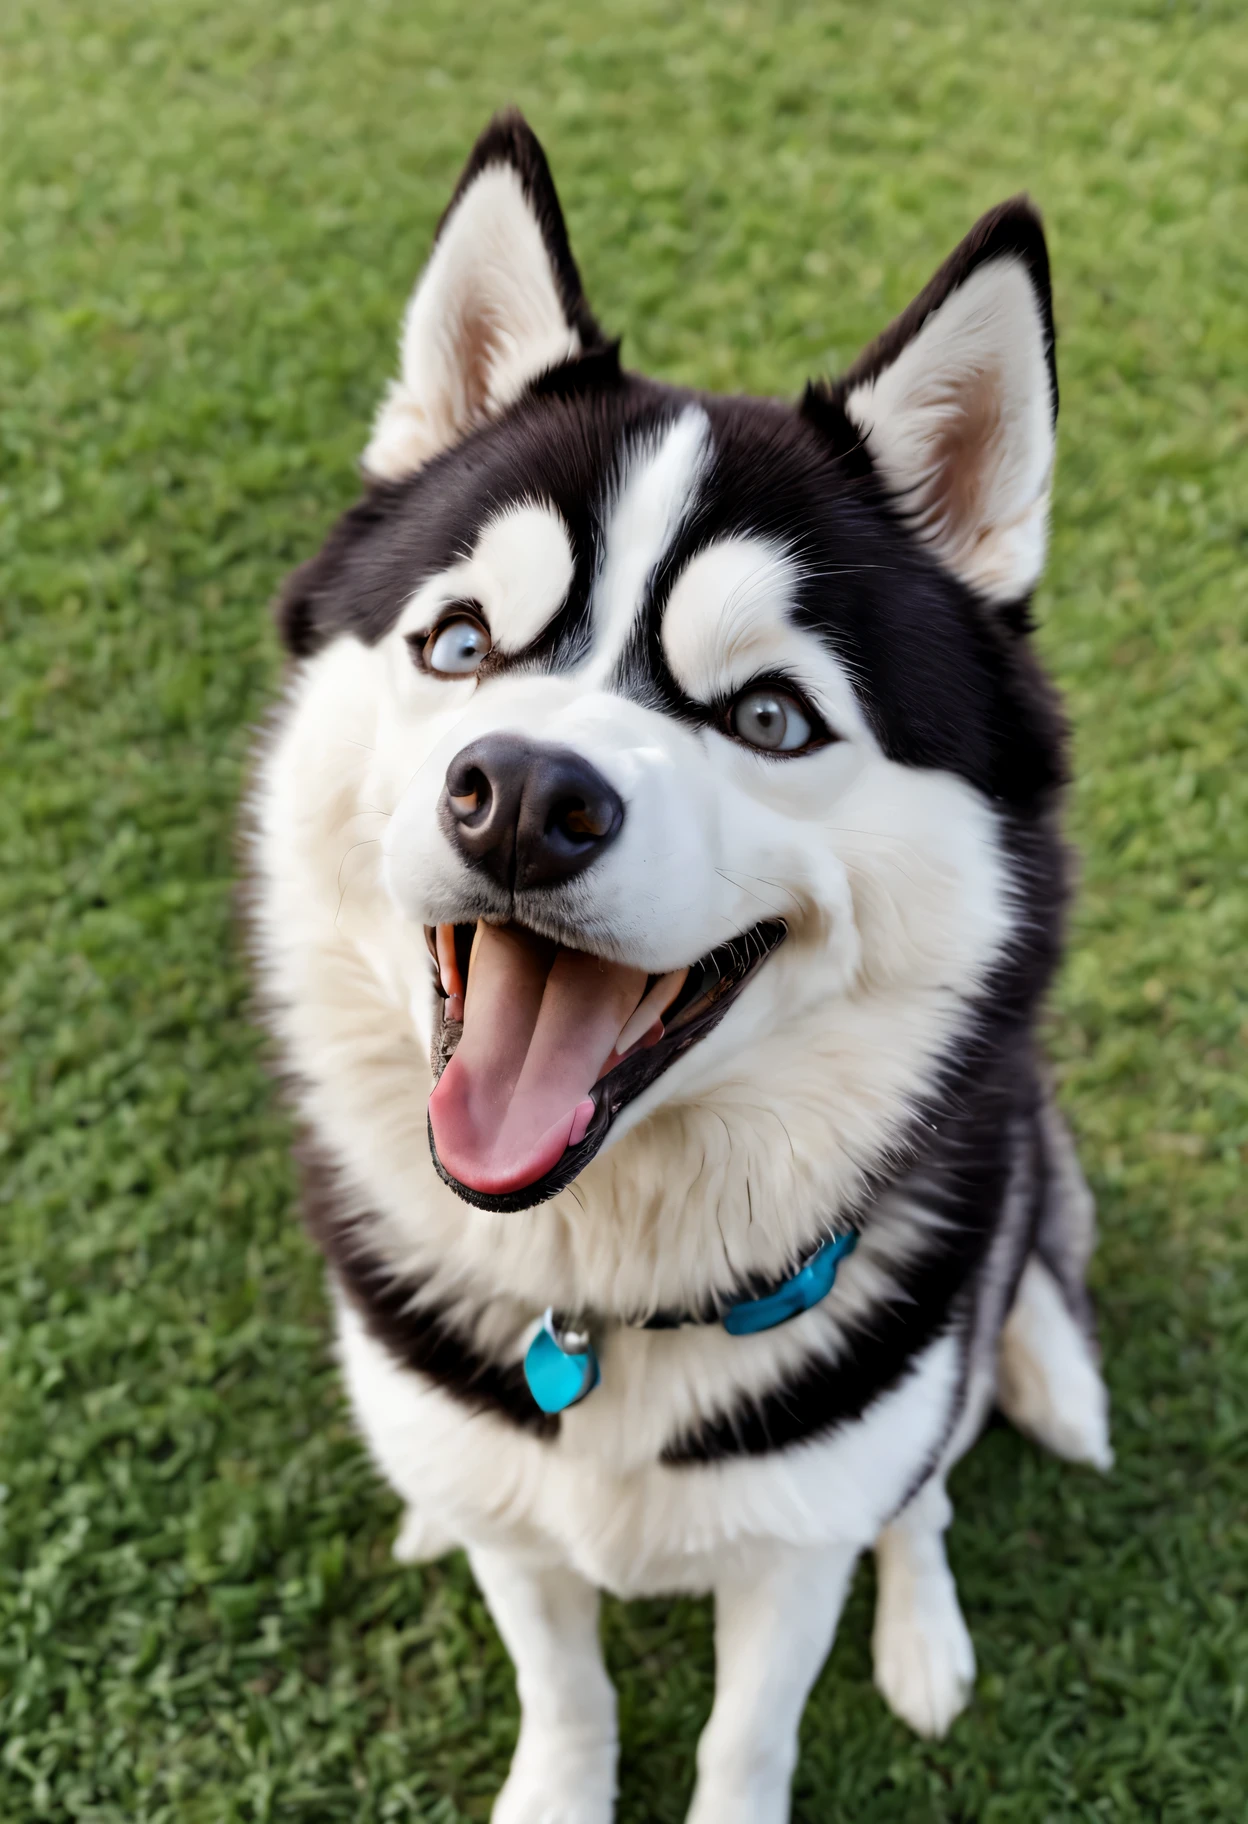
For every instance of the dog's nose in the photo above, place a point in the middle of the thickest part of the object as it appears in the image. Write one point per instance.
(529, 815)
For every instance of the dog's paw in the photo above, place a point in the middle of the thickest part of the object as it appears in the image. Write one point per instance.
(419, 1539)
(521, 1804)
(740, 1803)
(558, 1781)
(924, 1660)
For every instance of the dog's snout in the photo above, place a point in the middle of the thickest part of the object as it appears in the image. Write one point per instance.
(528, 814)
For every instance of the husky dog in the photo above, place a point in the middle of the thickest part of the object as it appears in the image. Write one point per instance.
(658, 881)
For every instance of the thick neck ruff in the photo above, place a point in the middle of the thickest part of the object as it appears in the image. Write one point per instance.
(561, 1363)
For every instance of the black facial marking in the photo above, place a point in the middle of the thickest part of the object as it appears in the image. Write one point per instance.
(942, 683)
(597, 370)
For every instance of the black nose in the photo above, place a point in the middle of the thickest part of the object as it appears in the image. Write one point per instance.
(531, 816)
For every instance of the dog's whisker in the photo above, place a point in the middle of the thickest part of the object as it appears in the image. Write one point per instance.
(366, 810)
(367, 842)
(732, 875)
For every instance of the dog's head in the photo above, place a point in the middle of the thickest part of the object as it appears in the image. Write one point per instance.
(698, 720)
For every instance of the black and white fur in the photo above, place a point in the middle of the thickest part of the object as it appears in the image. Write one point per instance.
(640, 551)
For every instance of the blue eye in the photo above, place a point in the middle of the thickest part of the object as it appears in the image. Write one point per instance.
(456, 648)
(770, 719)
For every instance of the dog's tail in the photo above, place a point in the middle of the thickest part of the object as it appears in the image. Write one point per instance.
(1048, 1363)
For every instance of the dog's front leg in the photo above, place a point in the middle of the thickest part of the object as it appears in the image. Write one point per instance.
(924, 1660)
(563, 1770)
(775, 1615)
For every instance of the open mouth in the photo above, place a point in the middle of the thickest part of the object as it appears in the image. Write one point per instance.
(542, 1046)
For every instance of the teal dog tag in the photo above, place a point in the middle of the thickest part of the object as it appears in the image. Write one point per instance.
(558, 1377)
(796, 1295)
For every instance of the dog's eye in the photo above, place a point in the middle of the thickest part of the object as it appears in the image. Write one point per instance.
(772, 719)
(456, 648)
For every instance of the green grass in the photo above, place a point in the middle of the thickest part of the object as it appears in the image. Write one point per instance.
(210, 213)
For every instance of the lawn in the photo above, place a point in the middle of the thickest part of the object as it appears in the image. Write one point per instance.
(210, 213)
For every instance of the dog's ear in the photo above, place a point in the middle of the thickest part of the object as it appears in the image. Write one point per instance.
(957, 404)
(499, 303)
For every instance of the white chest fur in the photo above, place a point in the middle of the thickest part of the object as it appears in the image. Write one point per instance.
(645, 1527)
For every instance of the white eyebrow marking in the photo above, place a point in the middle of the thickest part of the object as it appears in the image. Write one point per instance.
(525, 557)
(729, 618)
(723, 608)
(660, 482)
(519, 570)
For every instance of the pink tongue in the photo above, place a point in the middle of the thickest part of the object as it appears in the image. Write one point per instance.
(540, 1022)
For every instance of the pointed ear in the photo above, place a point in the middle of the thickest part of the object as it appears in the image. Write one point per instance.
(499, 303)
(957, 403)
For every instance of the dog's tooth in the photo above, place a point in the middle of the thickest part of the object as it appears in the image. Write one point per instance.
(650, 1010)
(580, 1121)
(644, 1043)
(448, 969)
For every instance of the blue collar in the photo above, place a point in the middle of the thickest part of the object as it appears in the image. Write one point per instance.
(561, 1365)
